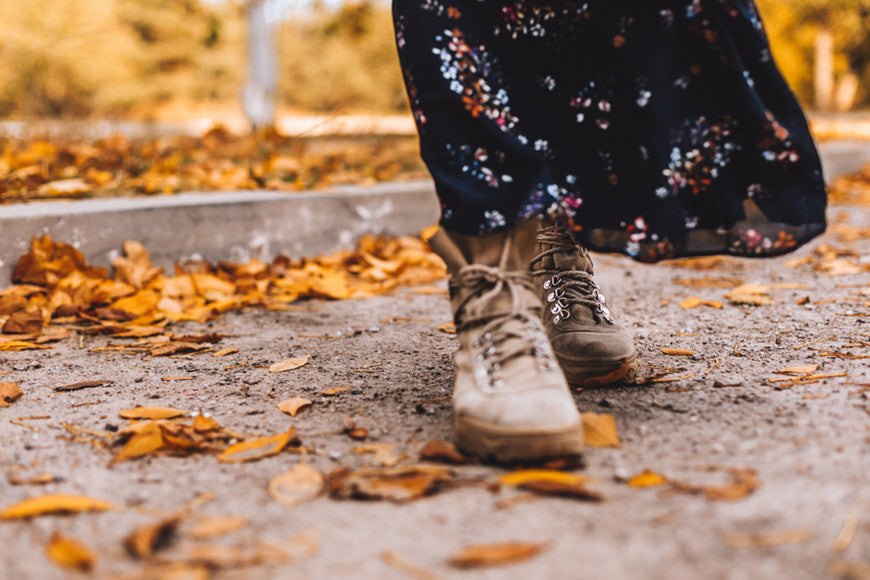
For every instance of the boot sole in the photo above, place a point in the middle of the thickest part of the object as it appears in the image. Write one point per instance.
(600, 375)
(500, 445)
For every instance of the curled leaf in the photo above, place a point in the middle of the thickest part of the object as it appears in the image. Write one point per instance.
(69, 553)
(54, 503)
(500, 554)
(254, 449)
(298, 485)
(294, 405)
(289, 364)
(153, 413)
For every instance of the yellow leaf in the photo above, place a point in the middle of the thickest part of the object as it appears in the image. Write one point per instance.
(292, 406)
(154, 413)
(289, 364)
(69, 553)
(516, 478)
(692, 302)
(648, 478)
(600, 430)
(712, 304)
(482, 555)
(54, 503)
(678, 352)
(300, 484)
(254, 449)
(136, 269)
(146, 441)
(139, 304)
(17, 345)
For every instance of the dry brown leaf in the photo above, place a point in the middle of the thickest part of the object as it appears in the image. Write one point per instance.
(500, 554)
(692, 302)
(754, 294)
(300, 484)
(294, 405)
(384, 453)
(678, 352)
(153, 413)
(743, 483)
(600, 430)
(19, 345)
(254, 449)
(289, 364)
(335, 391)
(212, 527)
(448, 327)
(552, 483)
(54, 503)
(136, 269)
(70, 553)
(408, 568)
(398, 484)
(225, 352)
(23, 322)
(768, 539)
(142, 542)
(84, 385)
(798, 370)
(9, 393)
(442, 452)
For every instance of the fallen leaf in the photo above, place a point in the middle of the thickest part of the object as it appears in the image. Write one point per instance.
(54, 503)
(153, 413)
(648, 478)
(448, 327)
(600, 430)
(523, 476)
(334, 391)
(84, 385)
(692, 302)
(678, 352)
(142, 542)
(254, 449)
(358, 434)
(300, 484)
(145, 442)
(398, 484)
(798, 370)
(70, 553)
(754, 294)
(23, 322)
(211, 527)
(743, 483)
(409, 568)
(500, 554)
(9, 393)
(225, 352)
(442, 452)
(384, 453)
(289, 364)
(19, 345)
(294, 405)
(173, 571)
(768, 539)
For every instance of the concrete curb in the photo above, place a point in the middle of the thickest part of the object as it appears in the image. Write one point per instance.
(238, 225)
(242, 225)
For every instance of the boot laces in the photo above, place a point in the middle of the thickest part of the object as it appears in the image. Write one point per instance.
(505, 335)
(571, 287)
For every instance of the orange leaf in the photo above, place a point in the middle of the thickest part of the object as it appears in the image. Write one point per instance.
(292, 406)
(648, 478)
(146, 441)
(9, 393)
(691, 302)
(151, 413)
(69, 553)
(289, 364)
(482, 555)
(678, 352)
(254, 449)
(600, 430)
(216, 526)
(54, 503)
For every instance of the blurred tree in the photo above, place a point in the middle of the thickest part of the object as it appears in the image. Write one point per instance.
(833, 36)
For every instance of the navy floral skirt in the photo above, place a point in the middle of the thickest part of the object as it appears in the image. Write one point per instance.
(655, 128)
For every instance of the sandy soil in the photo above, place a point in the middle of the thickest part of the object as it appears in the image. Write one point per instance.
(810, 444)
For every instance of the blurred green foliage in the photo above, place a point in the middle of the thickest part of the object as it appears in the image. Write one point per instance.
(128, 58)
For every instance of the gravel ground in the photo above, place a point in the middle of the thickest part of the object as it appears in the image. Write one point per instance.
(810, 444)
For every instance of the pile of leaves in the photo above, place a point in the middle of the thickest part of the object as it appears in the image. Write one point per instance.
(118, 166)
(56, 289)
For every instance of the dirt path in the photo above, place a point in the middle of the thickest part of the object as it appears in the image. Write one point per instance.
(809, 444)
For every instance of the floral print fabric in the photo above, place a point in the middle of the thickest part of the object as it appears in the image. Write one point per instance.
(655, 128)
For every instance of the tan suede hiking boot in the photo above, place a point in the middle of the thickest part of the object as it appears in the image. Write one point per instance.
(510, 401)
(591, 349)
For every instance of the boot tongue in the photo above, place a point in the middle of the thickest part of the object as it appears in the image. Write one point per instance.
(475, 304)
(576, 258)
